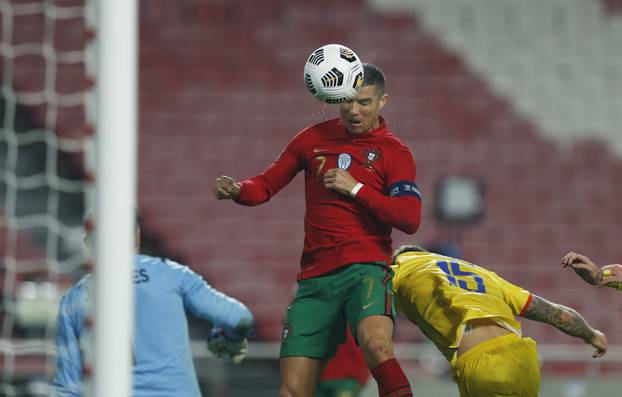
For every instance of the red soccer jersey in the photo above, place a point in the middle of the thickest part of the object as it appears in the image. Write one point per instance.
(340, 229)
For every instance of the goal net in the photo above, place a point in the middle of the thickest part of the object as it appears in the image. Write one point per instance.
(42, 113)
(48, 103)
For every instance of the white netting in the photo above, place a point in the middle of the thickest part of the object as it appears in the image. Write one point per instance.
(42, 118)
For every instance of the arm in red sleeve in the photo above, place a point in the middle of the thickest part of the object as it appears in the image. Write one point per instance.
(403, 213)
(401, 206)
(261, 188)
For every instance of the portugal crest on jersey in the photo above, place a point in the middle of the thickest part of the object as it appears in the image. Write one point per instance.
(371, 155)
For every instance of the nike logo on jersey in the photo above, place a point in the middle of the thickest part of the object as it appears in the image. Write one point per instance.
(367, 306)
(319, 150)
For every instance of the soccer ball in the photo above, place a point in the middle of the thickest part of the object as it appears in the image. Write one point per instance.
(333, 73)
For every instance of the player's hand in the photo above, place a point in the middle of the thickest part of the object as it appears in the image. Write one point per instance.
(584, 267)
(229, 350)
(339, 180)
(599, 341)
(226, 188)
(611, 274)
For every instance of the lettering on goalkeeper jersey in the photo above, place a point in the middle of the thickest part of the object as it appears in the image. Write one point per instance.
(140, 276)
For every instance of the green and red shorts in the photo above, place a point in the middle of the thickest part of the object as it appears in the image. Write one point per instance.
(315, 323)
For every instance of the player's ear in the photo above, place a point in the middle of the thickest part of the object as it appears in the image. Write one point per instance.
(384, 98)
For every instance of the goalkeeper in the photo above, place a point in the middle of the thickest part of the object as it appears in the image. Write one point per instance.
(162, 359)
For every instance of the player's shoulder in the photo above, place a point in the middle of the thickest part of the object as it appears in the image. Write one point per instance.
(391, 141)
(79, 287)
(158, 262)
(316, 134)
(75, 297)
(418, 258)
(148, 260)
(168, 268)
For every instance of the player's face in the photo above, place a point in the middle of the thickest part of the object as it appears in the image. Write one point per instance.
(360, 114)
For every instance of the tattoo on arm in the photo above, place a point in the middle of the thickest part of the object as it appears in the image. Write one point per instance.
(563, 318)
(590, 278)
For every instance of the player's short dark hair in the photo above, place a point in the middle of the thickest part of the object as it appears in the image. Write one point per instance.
(374, 76)
(406, 248)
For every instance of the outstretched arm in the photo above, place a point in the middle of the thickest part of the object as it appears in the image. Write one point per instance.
(566, 320)
(263, 187)
(209, 304)
(606, 276)
(231, 320)
(584, 267)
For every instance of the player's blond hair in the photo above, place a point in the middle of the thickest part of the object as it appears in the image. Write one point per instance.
(406, 248)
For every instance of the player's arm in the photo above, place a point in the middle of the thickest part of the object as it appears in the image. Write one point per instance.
(231, 320)
(400, 206)
(261, 188)
(207, 303)
(607, 276)
(584, 267)
(566, 320)
(68, 375)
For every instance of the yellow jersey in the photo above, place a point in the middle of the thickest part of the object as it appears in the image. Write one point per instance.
(441, 294)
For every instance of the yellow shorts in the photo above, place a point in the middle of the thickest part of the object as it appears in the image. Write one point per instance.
(503, 366)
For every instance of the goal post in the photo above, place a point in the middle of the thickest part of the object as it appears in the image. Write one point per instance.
(115, 149)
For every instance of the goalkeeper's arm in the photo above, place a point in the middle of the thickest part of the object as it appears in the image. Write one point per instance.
(228, 315)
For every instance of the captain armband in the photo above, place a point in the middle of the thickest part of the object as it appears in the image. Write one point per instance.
(404, 188)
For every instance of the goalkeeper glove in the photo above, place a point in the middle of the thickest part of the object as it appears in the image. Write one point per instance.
(229, 350)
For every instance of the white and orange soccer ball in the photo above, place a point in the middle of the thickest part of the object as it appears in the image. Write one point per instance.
(333, 73)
